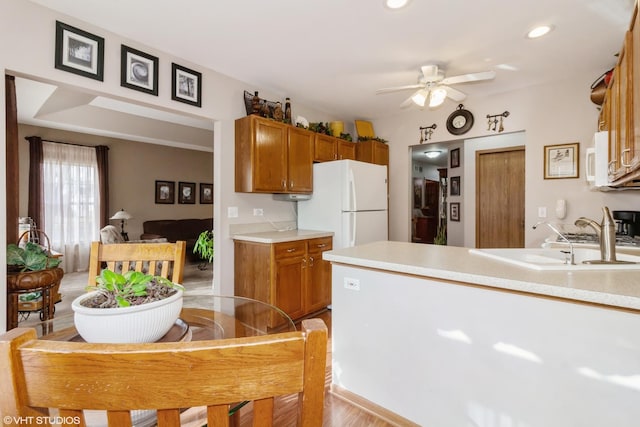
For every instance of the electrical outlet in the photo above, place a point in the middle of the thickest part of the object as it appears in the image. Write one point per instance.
(232, 212)
(353, 284)
(258, 212)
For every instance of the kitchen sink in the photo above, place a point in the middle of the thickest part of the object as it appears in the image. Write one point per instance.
(554, 258)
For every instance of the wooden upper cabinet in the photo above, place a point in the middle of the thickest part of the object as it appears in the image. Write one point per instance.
(621, 111)
(346, 150)
(324, 148)
(620, 132)
(634, 63)
(300, 148)
(373, 152)
(272, 157)
(327, 148)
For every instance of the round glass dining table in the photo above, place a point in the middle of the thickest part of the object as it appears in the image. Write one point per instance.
(203, 317)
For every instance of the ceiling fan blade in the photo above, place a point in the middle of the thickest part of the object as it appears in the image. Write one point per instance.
(408, 102)
(399, 88)
(471, 77)
(430, 72)
(454, 94)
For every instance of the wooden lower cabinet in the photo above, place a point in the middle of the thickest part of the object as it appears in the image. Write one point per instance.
(290, 275)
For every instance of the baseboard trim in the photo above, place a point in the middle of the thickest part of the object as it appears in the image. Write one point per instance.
(370, 407)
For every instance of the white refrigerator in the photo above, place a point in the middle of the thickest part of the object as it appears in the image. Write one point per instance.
(350, 199)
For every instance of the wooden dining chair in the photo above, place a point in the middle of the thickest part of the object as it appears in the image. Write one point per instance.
(119, 378)
(157, 259)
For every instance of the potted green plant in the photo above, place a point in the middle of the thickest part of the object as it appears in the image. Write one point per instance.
(204, 247)
(32, 268)
(127, 308)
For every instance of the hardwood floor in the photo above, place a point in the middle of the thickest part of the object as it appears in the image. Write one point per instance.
(337, 412)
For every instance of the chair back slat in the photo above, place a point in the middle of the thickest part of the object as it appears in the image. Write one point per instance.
(157, 259)
(36, 373)
(218, 415)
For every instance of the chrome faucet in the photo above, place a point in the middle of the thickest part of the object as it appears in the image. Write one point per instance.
(606, 232)
(562, 236)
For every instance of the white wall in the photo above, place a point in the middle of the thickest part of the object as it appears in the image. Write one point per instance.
(554, 114)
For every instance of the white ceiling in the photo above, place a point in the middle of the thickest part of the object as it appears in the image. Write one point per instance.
(334, 54)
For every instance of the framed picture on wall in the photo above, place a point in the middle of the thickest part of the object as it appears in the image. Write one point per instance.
(186, 85)
(165, 192)
(417, 192)
(138, 70)
(79, 52)
(187, 193)
(206, 194)
(455, 158)
(561, 161)
(454, 213)
(455, 186)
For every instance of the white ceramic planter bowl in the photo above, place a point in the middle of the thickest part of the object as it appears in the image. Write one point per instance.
(135, 324)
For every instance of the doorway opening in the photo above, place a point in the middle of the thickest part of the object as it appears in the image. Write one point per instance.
(463, 191)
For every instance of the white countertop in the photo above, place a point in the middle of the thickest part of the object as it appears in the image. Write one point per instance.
(617, 288)
(281, 236)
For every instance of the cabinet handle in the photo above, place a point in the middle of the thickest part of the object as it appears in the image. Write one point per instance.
(611, 167)
(321, 245)
(625, 151)
(291, 184)
(310, 261)
(284, 184)
(304, 263)
(290, 250)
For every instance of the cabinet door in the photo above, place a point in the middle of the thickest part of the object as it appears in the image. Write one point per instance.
(381, 153)
(270, 156)
(373, 152)
(346, 150)
(635, 84)
(318, 284)
(290, 273)
(300, 167)
(324, 148)
(619, 149)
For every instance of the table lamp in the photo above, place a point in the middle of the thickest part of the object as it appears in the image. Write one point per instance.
(122, 215)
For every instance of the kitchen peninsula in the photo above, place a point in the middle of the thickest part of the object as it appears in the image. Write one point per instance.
(441, 336)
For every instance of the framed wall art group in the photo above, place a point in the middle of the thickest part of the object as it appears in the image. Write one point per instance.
(165, 193)
(82, 53)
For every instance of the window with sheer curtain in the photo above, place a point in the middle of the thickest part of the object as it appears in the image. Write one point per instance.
(71, 201)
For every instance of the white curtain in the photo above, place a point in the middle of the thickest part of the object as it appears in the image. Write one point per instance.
(71, 202)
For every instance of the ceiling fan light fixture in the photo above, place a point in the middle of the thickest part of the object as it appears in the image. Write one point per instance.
(437, 97)
(395, 4)
(420, 97)
(539, 31)
(432, 154)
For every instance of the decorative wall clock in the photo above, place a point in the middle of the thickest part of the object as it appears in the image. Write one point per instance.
(460, 121)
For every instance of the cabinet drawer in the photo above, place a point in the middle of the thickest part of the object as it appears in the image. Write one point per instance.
(287, 249)
(321, 244)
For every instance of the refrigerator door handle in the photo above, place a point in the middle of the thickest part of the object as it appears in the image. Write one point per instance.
(352, 192)
(352, 229)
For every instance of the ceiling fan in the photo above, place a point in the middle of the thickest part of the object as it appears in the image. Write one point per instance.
(434, 87)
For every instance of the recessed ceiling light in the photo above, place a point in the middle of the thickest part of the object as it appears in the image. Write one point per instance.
(395, 4)
(539, 31)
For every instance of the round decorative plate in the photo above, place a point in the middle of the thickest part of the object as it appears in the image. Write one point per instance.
(460, 121)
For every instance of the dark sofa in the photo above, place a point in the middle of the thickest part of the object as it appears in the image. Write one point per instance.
(177, 229)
